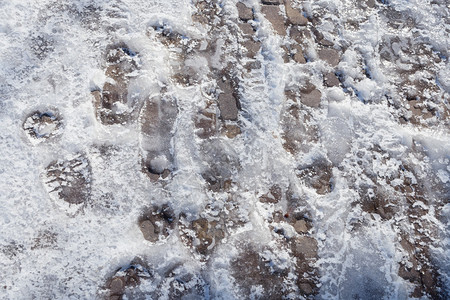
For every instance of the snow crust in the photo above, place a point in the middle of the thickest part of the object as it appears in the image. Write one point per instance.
(51, 55)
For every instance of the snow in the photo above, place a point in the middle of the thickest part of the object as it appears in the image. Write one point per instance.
(52, 58)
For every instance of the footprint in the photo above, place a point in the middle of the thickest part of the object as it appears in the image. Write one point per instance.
(157, 223)
(292, 230)
(317, 175)
(42, 45)
(202, 234)
(127, 280)
(187, 61)
(255, 268)
(302, 247)
(222, 163)
(181, 282)
(111, 102)
(68, 182)
(42, 125)
(173, 280)
(157, 120)
(299, 130)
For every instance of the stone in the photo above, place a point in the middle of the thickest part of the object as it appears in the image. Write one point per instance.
(300, 226)
(294, 15)
(318, 35)
(304, 247)
(409, 190)
(380, 202)
(271, 2)
(298, 55)
(245, 12)
(232, 130)
(286, 54)
(307, 87)
(272, 13)
(148, 230)
(252, 48)
(326, 43)
(157, 223)
(127, 278)
(416, 111)
(217, 182)
(306, 288)
(410, 274)
(311, 99)
(220, 165)
(298, 133)
(299, 35)
(225, 83)
(205, 122)
(201, 228)
(251, 270)
(117, 286)
(331, 56)
(207, 11)
(181, 282)
(370, 3)
(228, 107)
(247, 29)
(253, 65)
(331, 79)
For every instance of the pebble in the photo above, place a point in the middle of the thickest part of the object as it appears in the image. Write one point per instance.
(298, 56)
(311, 99)
(306, 288)
(271, 2)
(317, 175)
(305, 247)
(294, 15)
(228, 107)
(245, 12)
(208, 233)
(206, 124)
(247, 29)
(252, 48)
(331, 56)
(117, 286)
(300, 226)
(157, 222)
(231, 131)
(331, 79)
(299, 35)
(326, 43)
(148, 231)
(272, 13)
(253, 65)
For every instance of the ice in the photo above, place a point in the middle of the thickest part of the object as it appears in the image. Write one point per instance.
(173, 149)
(443, 176)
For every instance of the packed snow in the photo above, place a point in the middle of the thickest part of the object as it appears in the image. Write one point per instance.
(224, 149)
